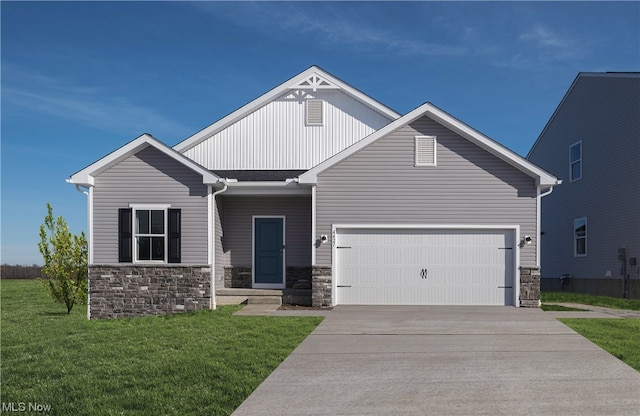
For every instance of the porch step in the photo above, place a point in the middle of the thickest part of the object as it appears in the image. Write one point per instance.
(233, 296)
(231, 291)
(264, 300)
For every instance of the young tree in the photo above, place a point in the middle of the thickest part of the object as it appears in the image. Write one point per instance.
(65, 261)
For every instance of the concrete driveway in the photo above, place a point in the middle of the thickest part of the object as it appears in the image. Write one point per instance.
(440, 360)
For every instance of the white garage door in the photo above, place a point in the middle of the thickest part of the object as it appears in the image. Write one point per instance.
(424, 267)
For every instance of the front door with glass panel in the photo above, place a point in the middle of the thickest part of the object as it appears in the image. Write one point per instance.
(268, 253)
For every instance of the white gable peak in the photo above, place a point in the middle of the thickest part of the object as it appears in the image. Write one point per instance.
(315, 82)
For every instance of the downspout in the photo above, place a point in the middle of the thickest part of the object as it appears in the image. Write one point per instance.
(549, 191)
(314, 245)
(538, 214)
(212, 241)
(89, 194)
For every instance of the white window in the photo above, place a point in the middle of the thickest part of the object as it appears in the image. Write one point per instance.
(425, 148)
(315, 113)
(580, 237)
(575, 161)
(150, 235)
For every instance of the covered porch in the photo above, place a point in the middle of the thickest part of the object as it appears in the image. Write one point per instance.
(263, 238)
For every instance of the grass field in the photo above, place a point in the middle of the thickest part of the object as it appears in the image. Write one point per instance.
(202, 363)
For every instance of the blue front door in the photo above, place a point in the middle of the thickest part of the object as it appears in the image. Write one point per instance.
(268, 246)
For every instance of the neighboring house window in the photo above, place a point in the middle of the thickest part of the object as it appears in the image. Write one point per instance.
(580, 237)
(425, 147)
(575, 161)
(149, 234)
(315, 113)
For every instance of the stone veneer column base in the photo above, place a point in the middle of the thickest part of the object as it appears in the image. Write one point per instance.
(117, 291)
(297, 277)
(529, 286)
(237, 277)
(321, 283)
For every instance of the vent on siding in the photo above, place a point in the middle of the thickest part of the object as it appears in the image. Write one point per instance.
(425, 151)
(315, 116)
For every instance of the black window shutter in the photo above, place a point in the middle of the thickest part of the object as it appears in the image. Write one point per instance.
(174, 236)
(125, 238)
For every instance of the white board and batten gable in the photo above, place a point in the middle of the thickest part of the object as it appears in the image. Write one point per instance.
(297, 125)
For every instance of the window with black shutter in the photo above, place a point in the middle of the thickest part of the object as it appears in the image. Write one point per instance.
(125, 240)
(174, 236)
(149, 234)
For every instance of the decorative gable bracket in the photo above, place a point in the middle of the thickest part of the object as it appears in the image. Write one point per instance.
(314, 82)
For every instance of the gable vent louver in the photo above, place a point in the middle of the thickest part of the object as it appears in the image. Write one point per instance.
(425, 151)
(315, 114)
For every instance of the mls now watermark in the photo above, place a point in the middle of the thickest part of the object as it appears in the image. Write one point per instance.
(25, 407)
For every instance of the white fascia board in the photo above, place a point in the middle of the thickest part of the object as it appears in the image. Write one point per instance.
(542, 178)
(85, 177)
(271, 95)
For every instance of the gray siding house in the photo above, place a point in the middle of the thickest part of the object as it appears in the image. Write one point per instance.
(591, 224)
(317, 194)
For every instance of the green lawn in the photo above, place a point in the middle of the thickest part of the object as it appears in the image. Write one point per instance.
(548, 308)
(620, 337)
(569, 297)
(203, 363)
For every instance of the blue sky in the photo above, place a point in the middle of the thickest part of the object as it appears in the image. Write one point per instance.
(80, 79)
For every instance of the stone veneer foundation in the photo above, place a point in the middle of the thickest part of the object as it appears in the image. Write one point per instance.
(117, 291)
(321, 286)
(530, 287)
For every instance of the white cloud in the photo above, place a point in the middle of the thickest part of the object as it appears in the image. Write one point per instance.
(543, 37)
(86, 104)
(329, 26)
(541, 46)
(550, 46)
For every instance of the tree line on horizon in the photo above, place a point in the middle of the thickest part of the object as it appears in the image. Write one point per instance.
(18, 271)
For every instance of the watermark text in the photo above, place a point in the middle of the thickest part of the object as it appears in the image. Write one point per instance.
(19, 407)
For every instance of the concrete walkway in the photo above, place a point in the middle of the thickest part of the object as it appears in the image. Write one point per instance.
(440, 360)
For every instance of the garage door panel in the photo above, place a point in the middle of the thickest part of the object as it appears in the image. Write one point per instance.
(436, 267)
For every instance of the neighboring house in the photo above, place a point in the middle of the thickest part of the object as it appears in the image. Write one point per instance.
(315, 185)
(591, 224)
